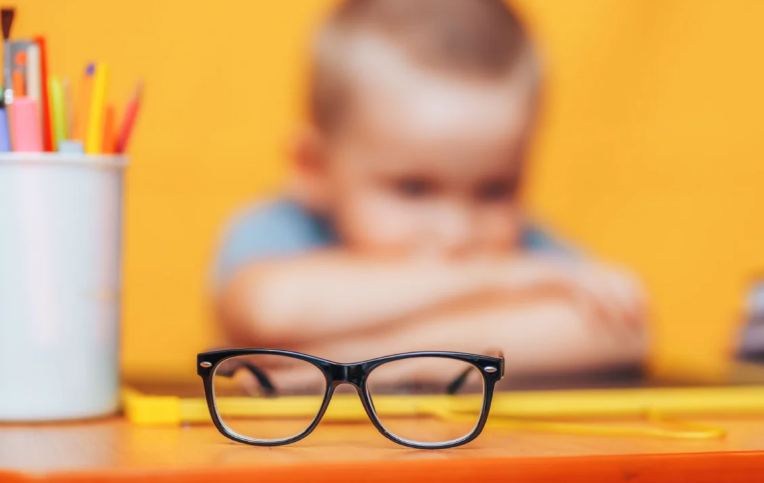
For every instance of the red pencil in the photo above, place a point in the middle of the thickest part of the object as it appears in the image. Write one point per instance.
(128, 121)
(109, 130)
(47, 132)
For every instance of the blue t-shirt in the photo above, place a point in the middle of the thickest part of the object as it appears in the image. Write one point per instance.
(283, 227)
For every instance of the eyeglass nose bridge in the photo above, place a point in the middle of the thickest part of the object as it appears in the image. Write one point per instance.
(347, 374)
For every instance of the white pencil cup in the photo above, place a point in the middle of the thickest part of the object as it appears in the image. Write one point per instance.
(60, 285)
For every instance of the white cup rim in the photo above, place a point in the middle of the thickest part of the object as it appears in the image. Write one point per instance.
(95, 160)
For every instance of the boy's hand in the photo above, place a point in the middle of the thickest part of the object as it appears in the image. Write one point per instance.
(606, 296)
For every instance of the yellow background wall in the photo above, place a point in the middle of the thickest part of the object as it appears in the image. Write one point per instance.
(650, 152)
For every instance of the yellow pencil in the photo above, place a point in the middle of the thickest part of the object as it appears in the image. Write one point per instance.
(94, 136)
(58, 112)
(81, 108)
(66, 90)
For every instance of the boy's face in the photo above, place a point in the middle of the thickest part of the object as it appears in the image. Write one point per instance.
(426, 164)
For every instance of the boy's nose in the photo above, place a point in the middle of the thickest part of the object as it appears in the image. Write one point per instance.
(453, 231)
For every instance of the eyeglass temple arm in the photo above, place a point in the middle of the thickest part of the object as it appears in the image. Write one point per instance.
(259, 374)
(454, 386)
(458, 382)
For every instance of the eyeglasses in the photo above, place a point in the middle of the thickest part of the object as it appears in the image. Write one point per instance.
(429, 400)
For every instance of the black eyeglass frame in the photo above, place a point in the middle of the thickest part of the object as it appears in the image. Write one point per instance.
(356, 374)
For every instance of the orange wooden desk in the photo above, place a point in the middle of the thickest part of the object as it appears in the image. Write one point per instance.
(113, 450)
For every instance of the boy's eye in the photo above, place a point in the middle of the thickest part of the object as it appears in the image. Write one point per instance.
(496, 189)
(415, 186)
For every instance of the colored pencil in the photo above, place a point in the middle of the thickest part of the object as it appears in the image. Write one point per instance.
(82, 108)
(109, 130)
(47, 121)
(58, 111)
(19, 72)
(66, 87)
(94, 134)
(128, 120)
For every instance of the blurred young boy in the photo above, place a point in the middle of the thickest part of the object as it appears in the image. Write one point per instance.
(403, 229)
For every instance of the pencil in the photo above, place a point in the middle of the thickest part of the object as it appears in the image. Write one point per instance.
(82, 107)
(47, 121)
(66, 87)
(94, 134)
(128, 121)
(58, 112)
(19, 71)
(109, 130)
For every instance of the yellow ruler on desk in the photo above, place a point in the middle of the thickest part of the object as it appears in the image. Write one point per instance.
(553, 411)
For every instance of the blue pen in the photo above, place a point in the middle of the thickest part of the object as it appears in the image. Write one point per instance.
(5, 140)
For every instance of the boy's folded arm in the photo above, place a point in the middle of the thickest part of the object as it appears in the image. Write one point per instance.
(548, 337)
(327, 294)
(332, 294)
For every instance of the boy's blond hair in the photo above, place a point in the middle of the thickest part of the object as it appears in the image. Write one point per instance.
(474, 38)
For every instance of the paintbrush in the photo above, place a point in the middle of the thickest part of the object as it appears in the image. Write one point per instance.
(6, 18)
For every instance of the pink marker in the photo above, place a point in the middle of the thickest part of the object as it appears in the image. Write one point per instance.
(25, 125)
